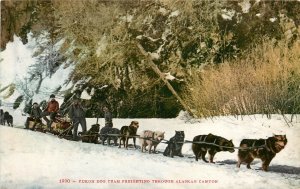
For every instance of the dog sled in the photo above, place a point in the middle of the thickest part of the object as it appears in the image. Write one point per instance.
(61, 126)
(37, 125)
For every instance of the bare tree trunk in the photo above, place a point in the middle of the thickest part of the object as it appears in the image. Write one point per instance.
(162, 77)
(39, 83)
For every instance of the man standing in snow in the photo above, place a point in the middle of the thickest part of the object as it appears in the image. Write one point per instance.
(52, 108)
(77, 114)
(107, 117)
(35, 115)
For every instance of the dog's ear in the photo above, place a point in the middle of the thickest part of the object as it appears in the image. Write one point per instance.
(230, 140)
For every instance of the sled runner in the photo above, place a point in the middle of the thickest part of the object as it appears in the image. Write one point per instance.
(67, 133)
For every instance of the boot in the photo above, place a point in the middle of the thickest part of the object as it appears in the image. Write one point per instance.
(49, 125)
(76, 138)
(33, 127)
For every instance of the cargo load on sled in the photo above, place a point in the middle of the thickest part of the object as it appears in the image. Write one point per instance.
(60, 125)
(37, 125)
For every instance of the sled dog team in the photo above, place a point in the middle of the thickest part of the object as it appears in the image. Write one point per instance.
(264, 149)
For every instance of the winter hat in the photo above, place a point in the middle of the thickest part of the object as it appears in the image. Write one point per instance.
(52, 96)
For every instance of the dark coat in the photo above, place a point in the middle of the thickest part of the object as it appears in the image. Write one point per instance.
(108, 119)
(76, 111)
(36, 113)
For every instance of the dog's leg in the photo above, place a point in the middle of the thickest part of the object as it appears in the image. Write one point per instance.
(248, 160)
(154, 149)
(134, 139)
(171, 152)
(211, 153)
(120, 142)
(126, 145)
(166, 152)
(150, 146)
(116, 141)
(180, 153)
(203, 156)
(265, 164)
(142, 146)
(95, 139)
(238, 165)
(172, 147)
(248, 166)
(198, 155)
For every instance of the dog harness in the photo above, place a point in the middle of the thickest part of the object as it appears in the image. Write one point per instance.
(267, 148)
(204, 140)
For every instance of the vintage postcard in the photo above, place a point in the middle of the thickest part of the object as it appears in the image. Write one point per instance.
(182, 94)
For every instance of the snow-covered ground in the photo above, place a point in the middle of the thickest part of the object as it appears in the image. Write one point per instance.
(35, 160)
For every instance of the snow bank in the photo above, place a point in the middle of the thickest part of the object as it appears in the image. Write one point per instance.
(16, 67)
(16, 61)
(50, 84)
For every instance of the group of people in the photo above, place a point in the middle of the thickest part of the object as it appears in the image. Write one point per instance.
(76, 113)
(36, 113)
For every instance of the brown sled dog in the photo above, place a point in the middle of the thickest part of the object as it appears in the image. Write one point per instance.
(201, 149)
(90, 136)
(265, 149)
(127, 132)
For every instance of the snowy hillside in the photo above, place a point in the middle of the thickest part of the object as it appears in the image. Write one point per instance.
(18, 68)
(36, 160)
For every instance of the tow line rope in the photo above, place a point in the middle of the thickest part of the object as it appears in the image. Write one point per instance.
(184, 142)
